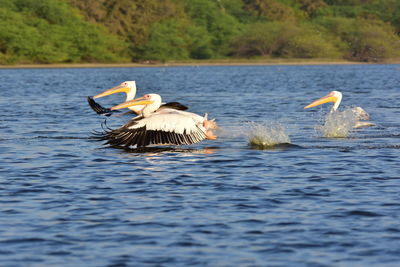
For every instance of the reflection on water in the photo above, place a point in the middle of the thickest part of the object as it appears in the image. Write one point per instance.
(160, 149)
(65, 198)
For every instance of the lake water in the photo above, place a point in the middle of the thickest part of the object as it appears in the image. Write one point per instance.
(65, 200)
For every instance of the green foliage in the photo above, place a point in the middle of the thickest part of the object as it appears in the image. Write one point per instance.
(206, 32)
(52, 31)
(366, 40)
(165, 42)
(264, 39)
(386, 10)
(199, 42)
(49, 31)
(308, 44)
(218, 26)
(278, 39)
(270, 10)
(132, 20)
(311, 6)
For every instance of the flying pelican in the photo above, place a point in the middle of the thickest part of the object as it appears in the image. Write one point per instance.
(157, 126)
(336, 98)
(129, 88)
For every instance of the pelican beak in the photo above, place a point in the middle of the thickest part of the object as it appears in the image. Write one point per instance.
(116, 89)
(326, 99)
(134, 102)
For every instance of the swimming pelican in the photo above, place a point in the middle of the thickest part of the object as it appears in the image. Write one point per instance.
(157, 126)
(129, 88)
(336, 98)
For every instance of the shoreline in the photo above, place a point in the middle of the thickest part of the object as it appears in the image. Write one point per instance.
(271, 62)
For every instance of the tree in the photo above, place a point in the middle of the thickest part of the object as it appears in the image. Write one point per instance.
(132, 20)
(50, 31)
(165, 42)
(264, 39)
(278, 39)
(270, 10)
(311, 6)
(386, 10)
(371, 41)
(220, 26)
(366, 40)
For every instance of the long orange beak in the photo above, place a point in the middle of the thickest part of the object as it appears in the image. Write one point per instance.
(322, 100)
(134, 102)
(116, 89)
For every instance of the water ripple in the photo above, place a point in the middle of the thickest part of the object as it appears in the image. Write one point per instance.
(306, 201)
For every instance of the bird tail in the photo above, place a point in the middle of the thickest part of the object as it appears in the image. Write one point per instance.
(209, 124)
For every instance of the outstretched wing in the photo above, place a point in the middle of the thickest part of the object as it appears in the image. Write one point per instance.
(100, 109)
(161, 128)
(108, 112)
(174, 105)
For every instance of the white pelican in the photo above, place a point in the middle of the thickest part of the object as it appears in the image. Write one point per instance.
(336, 98)
(165, 126)
(129, 88)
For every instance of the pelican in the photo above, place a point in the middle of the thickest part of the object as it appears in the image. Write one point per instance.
(155, 126)
(336, 98)
(129, 88)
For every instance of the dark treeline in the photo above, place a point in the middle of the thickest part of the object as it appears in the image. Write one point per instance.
(58, 31)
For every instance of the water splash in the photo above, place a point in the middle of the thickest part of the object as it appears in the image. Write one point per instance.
(266, 135)
(338, 124)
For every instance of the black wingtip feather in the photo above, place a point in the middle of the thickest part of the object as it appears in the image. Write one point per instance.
(174, 105)
(126, 137)
(98, 108)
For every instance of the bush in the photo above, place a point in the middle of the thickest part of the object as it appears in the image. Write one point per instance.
(263, 39)
(372, 42)
(199, 42)
(219, 26)
(310, 45)
(49, 31)
(165, 42)
(284, 40)
(366, 40)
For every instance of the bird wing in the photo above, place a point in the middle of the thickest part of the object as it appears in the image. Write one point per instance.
(164, 127)
(361, 113)
(174, 105)
(100, 109)
(108, 112)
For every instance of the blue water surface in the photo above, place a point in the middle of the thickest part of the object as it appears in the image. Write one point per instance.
(66, 200)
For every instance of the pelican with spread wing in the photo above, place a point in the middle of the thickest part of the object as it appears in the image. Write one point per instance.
(158, 126)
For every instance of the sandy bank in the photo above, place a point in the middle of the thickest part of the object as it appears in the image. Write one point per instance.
(197, 63)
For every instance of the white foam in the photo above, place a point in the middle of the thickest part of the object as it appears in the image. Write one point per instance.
(260, 135)
(266, 134)
(338, 124)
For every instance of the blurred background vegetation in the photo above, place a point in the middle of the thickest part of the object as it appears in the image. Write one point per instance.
(73, 31)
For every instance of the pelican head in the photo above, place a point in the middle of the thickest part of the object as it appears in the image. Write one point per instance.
(128, 87)
(149, 102)
(334, 96)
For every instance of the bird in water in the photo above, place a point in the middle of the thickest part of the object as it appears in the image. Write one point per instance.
(129, 88)
(158, 126)
(336, 98)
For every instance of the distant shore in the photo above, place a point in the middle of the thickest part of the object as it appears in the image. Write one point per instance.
(228, 62)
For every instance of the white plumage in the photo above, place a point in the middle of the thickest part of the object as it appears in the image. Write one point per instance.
(336, 98)
(164, 126)
(129, 88)
(170, 120)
